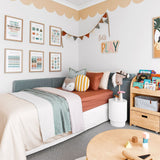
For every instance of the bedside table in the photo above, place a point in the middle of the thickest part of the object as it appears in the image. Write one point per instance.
(117, 112)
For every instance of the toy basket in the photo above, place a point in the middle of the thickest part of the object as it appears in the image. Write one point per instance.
(150, 103)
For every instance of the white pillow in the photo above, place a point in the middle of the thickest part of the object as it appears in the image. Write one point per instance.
(69, 84)
(104, 80)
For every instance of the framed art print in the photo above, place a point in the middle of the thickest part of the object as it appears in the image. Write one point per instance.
(37, 32)
(13, 29)
(55, 61)
(55, 36)
(36, 61)
(13, 61)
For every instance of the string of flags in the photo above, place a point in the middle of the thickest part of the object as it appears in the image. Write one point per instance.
(104, 19)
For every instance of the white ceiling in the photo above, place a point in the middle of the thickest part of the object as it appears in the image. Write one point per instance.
(79, 4)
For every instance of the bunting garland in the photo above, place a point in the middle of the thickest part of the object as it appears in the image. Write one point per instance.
(104, 19)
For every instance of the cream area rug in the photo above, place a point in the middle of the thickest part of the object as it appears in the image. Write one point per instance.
(82, 158)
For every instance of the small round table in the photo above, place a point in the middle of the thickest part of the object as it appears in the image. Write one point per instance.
(110, 144)
(117, 112)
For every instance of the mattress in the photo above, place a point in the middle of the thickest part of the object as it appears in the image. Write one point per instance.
(91, 99)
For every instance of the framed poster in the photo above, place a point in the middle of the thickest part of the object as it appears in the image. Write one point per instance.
(156, 37)
(13, 61)
(55, 36)
(36, 61)
(13, 29)
(37, 32)
(55, 62)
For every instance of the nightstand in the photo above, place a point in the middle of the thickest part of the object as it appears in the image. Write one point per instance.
(117, 112)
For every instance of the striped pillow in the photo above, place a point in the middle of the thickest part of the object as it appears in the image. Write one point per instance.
(82, 83)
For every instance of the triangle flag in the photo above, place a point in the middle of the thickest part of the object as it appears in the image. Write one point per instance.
(81, 37)
(97, 26)
(101, 21)
(63, 33)
(74, 37)
(105, 15)
(106, 21)
(87, 35)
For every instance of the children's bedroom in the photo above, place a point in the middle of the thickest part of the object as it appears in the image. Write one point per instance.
(80, 80)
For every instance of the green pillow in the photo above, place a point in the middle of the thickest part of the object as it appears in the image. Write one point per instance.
(73, 73)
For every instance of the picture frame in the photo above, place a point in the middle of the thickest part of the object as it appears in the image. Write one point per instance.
(156, 37)
(13, 29)
(37, 32)
(55, 62)
(55, 36)
(13, 61)
(36, 61)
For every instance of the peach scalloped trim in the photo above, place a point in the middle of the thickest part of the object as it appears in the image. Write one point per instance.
(101, 8)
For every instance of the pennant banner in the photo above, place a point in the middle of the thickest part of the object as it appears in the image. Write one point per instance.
(104, 19)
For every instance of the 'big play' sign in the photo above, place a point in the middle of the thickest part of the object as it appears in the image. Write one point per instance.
(109, 47)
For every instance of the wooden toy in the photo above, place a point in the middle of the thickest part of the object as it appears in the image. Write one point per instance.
(145, 139)
(134, 139)
(128, 145)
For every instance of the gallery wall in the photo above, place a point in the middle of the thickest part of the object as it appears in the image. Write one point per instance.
(69, 51)
(132, 26)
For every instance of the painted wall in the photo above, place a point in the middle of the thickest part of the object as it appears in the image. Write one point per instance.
(132, 26)
(69, 52)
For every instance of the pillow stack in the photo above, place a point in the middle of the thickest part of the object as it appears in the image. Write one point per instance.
(81, 81)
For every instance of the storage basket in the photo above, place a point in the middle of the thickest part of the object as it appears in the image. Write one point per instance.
(150, 103)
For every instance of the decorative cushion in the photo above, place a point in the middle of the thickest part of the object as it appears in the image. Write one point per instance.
(104, 80)
(82, 83)
(69, 84)
(73, 73)
(95, 79)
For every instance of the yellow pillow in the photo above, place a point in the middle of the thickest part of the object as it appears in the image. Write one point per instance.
(82, 83)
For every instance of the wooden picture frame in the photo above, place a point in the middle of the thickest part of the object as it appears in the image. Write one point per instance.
(13, 29)
(55, 62)
(36, 61)
(13, 61)
(37, 32)
(55, 36)
(156, 37)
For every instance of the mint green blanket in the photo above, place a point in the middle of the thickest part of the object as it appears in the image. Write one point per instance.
(60, 106)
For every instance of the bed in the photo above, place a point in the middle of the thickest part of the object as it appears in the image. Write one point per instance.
(93, 103)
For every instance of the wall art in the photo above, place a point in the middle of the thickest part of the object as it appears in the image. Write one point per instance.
(37, 31)
(13, 61)
(109, 46)
(13, 29)
(156, 37)
(55, 36)
(36, 61)
(55, 62)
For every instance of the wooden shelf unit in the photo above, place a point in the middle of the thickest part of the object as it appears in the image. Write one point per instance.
(142, 117)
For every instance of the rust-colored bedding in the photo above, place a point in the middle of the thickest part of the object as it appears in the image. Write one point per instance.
(92, 99)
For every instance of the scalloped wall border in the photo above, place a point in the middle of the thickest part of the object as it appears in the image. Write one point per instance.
(60, 9)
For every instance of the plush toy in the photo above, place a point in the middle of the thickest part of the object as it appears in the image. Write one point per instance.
(117, 79)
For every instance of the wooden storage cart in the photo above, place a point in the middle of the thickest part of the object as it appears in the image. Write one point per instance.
(142, 117)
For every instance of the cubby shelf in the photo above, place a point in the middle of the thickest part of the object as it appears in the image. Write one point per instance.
(142, 117)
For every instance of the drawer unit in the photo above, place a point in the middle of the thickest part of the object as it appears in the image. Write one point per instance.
(145, 120)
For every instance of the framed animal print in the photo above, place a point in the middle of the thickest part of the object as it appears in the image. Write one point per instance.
(55, 36)
(55, 62)
(37, 31)
(13, 61)
(13, 29)
(36, 61)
